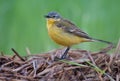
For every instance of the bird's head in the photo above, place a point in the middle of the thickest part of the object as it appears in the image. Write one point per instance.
(54, 16)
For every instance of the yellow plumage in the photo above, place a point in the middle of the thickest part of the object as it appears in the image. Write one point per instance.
(61, 37)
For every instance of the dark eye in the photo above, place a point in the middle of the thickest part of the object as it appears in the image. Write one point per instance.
(54, 16)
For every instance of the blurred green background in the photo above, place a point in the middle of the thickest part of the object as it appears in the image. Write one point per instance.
(22, 24)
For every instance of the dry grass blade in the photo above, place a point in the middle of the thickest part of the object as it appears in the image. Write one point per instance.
(28, 51)
(117, 51)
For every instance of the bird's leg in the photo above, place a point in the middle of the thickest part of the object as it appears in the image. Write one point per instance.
(65, 53)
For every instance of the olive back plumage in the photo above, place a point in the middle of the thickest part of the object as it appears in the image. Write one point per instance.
(69, 27)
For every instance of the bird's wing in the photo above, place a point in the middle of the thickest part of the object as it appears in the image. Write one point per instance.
(69, 27)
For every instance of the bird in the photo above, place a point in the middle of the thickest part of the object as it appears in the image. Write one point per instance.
(66, 33)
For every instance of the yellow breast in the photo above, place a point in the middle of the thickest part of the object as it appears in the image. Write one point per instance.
(61, 37)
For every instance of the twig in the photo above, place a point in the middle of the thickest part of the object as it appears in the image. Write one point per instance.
(34, 62)
(17, 54)
(21, 67)
(118, 77)
(6, 64)
(92, 60)
(105, 50)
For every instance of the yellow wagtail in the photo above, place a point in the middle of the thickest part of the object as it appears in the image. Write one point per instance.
(66, 33)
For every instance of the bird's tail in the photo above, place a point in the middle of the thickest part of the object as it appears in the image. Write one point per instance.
(93, 39)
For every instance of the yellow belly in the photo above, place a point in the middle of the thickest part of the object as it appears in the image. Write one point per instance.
(63, 38)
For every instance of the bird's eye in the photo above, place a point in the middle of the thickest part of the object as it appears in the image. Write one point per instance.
(54, 16)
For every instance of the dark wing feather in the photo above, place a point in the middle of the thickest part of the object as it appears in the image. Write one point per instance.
(69, 27)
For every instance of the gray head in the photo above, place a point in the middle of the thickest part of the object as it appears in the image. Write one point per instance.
(54, 15)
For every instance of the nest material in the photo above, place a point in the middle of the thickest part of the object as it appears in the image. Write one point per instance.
(44, 67)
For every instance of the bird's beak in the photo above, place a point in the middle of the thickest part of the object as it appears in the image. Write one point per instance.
(46, 16)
